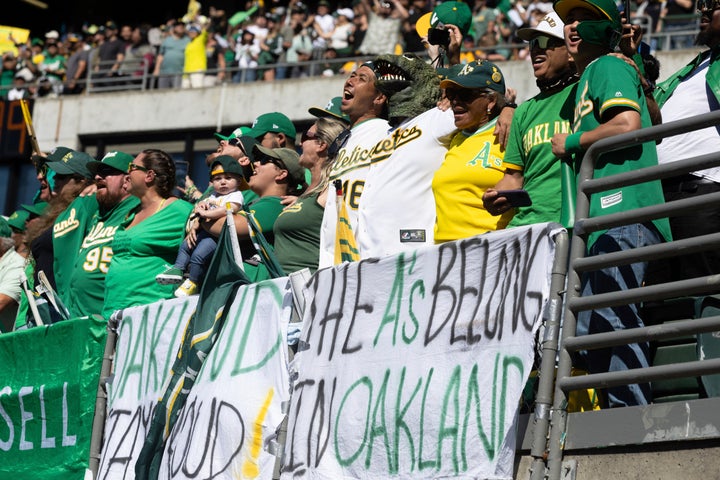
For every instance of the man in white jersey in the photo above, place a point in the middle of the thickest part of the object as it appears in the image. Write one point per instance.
(692, 91)
(365, 105)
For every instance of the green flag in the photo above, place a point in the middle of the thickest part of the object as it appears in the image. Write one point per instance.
(222, 281)
(48, 386)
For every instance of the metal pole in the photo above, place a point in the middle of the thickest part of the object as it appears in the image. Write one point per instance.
(98, 428)
(543, 400)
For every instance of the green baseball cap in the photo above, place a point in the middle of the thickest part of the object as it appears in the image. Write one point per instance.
(478, 74)
(452, 13)
(445, 73)
(248, 143)
(331, 110)
(225, 164)
(605, 8)
(5, 230)
(18, 218)
(36, 209)
(238, 132)
(120, 161)
(72, 163)
(274, 122)
(287, 156)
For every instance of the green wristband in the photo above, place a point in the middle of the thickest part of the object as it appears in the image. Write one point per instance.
(572, 143)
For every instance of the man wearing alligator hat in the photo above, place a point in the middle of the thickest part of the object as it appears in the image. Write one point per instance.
(610, 101)
(87, 280)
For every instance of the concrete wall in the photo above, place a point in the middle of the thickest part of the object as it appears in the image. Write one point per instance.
(61, 121)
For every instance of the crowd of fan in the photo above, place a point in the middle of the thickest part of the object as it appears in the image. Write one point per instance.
(255, 45)
(444, 147)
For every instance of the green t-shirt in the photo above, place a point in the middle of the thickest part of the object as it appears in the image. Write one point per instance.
(606, 83)
(297, 235)
(534, 124)
(91, 265)
(140, 254)
(265, 210)
(69, 229)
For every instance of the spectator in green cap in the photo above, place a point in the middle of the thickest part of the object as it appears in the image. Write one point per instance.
(610, 101)
(477, 96)
(18, 224)
(274, 130)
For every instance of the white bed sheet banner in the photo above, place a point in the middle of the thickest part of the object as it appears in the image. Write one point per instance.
(421, 376)
(148, 340)
(233, 409)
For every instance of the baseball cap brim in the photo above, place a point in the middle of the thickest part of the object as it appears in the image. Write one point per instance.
(321, 112)
(423, 24)
(36, 208)
(94, 165)
(61, 168)
(563, 8)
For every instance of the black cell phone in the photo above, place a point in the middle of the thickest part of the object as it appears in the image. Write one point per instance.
(438, 36)
(516, 198)
(627, 11)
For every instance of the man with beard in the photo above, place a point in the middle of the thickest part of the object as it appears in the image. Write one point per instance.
(87, 282)
(532, 164)
(693, 90)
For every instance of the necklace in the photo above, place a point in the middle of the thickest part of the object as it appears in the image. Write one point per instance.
(162, 203)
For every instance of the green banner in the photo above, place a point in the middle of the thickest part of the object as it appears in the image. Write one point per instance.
(48, 384)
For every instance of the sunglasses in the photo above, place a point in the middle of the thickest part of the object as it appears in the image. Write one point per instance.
(543, 43)
(265, 160)
(135, 166)
(464, 95)
(308, 135)
(707, 5)
(104, 171)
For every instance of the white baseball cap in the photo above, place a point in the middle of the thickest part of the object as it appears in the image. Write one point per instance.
(550, 25)
(346, 12)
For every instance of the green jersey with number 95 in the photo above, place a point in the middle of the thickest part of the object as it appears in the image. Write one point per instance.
(88, 277)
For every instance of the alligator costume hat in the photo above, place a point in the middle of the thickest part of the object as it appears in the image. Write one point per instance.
(411, 85)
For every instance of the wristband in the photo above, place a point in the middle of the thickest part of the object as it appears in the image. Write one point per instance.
(511, 105)
(572, 143)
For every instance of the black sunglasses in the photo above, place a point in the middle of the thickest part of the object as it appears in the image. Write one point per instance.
(464, 95)
(265, 160)
(308, 135)
(543, 43)
(103, 171)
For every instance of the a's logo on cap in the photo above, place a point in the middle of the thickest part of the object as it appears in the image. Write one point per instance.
(329, 105)
(434, 19)
(67, 157)
(550, 21)
(466, 70)
(109, 155)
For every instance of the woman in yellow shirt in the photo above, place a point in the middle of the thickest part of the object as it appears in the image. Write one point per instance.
(474, 161)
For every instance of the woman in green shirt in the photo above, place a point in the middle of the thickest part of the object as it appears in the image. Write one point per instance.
(297, 229)
(150, 238)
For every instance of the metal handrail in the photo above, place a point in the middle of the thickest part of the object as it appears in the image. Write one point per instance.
(574, 303)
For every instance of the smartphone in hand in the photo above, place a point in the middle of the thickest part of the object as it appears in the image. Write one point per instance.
(516, 198)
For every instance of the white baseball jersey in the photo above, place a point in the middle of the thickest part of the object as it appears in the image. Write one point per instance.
(351, 167)
(397, 212)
